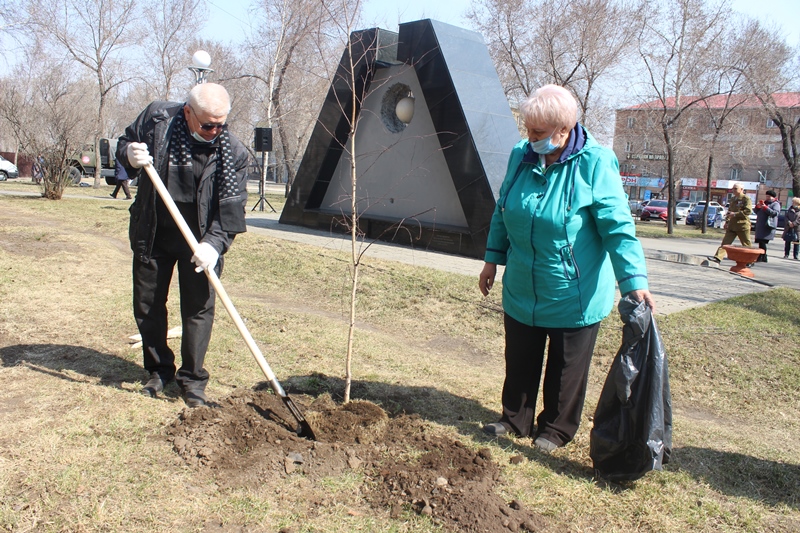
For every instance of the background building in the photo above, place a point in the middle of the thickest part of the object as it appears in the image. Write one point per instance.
(748, 148)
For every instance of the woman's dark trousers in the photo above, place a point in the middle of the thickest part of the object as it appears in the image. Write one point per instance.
(569, 356)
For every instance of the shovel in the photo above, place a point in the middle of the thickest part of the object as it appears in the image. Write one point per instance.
(304, 429)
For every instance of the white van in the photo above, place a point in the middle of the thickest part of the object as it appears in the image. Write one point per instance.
(7, 169)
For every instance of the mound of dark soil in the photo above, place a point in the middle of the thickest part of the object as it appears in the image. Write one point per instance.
(248, 438)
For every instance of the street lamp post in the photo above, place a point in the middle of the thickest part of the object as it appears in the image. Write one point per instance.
(201, 62)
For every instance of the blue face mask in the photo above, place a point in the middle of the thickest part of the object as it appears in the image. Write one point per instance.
(545, 146)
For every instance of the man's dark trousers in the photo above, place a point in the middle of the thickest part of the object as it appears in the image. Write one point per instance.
(151, 281)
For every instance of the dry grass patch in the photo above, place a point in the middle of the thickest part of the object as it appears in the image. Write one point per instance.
(82, 450)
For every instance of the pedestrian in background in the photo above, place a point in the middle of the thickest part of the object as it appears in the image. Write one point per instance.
(122, 181)
(766, 222)
(737, 222)
(37, 170)
(563, 228)
(791, 236)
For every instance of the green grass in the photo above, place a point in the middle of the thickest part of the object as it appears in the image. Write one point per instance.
(658, 230)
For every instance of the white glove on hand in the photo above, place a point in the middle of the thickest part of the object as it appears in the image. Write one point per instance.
(138, 156)
(205, 257)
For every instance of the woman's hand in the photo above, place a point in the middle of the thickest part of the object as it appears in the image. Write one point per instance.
(646, 296)
(486, 278)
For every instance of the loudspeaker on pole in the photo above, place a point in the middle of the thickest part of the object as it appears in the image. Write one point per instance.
(263, 140)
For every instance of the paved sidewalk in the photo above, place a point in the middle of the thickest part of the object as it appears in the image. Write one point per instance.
(677, 279)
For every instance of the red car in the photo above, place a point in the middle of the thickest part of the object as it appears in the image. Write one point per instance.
(656, 209)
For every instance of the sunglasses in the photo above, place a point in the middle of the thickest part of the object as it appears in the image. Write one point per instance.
(209, 126)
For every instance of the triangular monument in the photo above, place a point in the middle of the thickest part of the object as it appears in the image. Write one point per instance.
(432, 182)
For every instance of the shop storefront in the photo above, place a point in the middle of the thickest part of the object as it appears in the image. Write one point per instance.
(643, 188)
(694, 190)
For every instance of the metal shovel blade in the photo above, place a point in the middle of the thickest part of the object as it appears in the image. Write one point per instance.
(303, 428)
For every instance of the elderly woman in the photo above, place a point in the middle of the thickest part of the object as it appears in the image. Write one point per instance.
(767, 212)
(564, 232)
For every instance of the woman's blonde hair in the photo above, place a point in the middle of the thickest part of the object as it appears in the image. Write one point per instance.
(796, 201)
(552, 105)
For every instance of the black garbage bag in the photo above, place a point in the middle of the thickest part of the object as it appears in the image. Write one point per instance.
(632, 431)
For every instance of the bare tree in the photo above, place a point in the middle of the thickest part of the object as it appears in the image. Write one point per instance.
(291, 45)
(773, 70)
(731, 57)
(92, 33)
(676, 47)
(48, 114)
(170, 27)
(572, 43)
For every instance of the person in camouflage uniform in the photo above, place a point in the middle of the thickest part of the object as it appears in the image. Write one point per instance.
(737, 222)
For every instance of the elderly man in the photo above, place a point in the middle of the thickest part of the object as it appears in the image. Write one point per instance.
(737, 222)
(203, 167)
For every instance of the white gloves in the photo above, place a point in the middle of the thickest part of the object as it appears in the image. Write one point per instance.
(138, 156)
(205, 257)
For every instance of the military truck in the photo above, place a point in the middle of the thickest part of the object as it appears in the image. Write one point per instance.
(83, 163)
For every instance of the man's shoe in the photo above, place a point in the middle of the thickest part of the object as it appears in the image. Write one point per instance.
(786, 257)
(545, 445)
(194, 398)
(112, 196)
(714, 258)
(154, 386)
(495, 429)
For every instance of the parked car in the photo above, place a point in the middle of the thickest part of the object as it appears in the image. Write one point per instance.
(682, 209)
(696, 214)
(641, 207)
(656, 209)
(712, 203)
(7, 169)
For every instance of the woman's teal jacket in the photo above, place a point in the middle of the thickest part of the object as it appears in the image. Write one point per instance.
(565, 234)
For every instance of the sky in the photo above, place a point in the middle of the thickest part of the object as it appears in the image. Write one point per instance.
(229, 16)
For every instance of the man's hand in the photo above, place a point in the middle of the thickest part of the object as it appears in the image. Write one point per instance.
(138, 156)
(205, 257)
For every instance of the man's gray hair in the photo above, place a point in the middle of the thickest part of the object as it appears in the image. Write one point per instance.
(210, 98)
